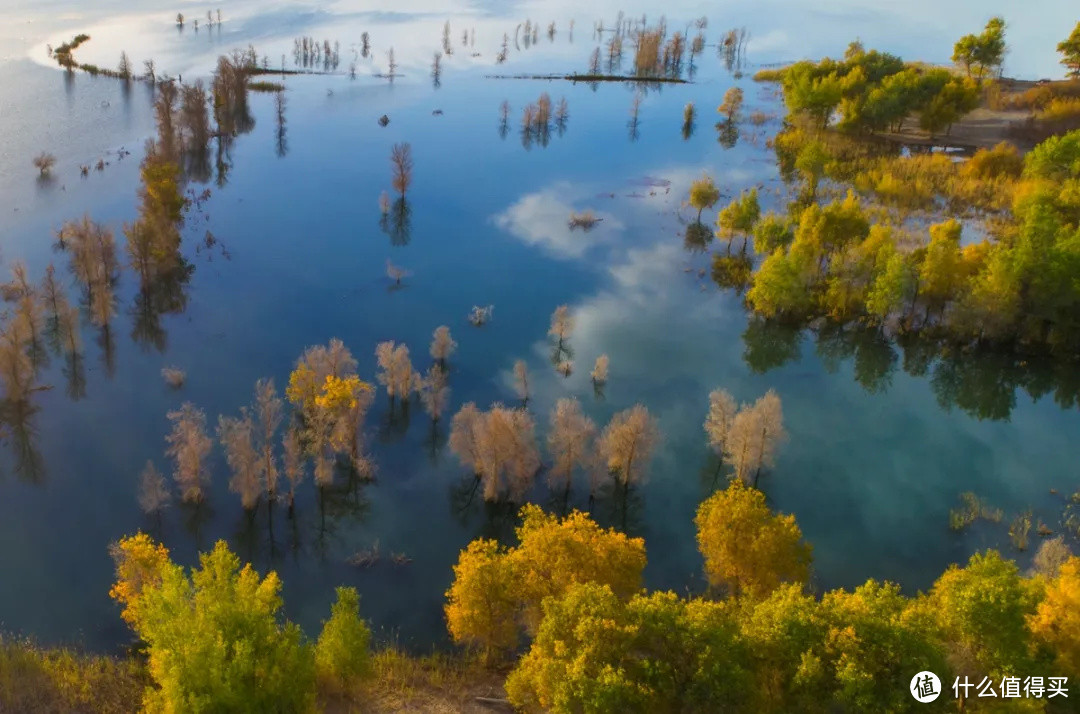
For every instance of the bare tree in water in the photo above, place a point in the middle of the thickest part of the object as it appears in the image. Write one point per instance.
(521, 381)
(627, 444)
(499, 446)
(570, 442)
(402, 163)
(442, 345)
(189, 446)
(153, 492)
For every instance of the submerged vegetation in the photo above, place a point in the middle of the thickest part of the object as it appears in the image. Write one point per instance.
(873, 249)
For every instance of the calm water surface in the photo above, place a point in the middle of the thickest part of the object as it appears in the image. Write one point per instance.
(874, 461)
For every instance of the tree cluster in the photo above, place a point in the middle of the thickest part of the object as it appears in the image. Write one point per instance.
(746, 438)
(500, 446)
(835, 262)
(215, 639)
(875, 91)
(758, 642)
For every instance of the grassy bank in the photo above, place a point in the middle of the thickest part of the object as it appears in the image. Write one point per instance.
(62, 680)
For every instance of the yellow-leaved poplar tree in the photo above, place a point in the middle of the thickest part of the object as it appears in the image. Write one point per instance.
(748, 550)
(480, 605)
(1056, 621)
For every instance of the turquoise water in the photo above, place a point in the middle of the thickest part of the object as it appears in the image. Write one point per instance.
(875, 458)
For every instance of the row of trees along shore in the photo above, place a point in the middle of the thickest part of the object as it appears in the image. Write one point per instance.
(570, 593)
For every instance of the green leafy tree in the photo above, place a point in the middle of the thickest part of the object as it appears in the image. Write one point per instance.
(1056, 159)
(957, 98)
(1070, 52)
(853, 272)
(811, 161)
(782, 286)
(215, 642)
(772, 232)
(595, 652)
(984, 53)
(341, 653)
(940, 272)
(703, 194)
(784, 634)
(833, 227)
(983, 609)
(874, 642)
(739, 218)
(891, 288)
(813, 90)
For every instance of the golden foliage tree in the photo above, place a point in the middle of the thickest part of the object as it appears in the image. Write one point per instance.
(1056, 622)
(496, 591)
(481, 606)
(139, 561)
(749, 551)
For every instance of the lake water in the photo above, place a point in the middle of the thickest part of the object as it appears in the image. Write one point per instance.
(876, 456)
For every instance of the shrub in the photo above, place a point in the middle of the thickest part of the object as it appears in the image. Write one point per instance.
(341, 653)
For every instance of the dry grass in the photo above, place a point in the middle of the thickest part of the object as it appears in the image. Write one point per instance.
(586, 220)
(62, 681)
(434, 684)
(758, 118)
(266, 86)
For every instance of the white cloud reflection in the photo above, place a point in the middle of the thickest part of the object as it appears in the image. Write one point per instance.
(541, 219)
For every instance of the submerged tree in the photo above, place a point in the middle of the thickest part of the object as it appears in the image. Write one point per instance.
(718, 423)
(754, 436)
(600, 370)
(703, 194)
(739, 218)
(189, 446)
(435, 392)
(732, 105)
(44, 162)
(562, 324)
(402, 163)
(499, 445)
(521, 380)
(570, 443)
(292, 462)
(396, 370)
(442, 345)
(269, 413)
(627, 444)
(153, 493)
(236, 435)
(688, 121)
